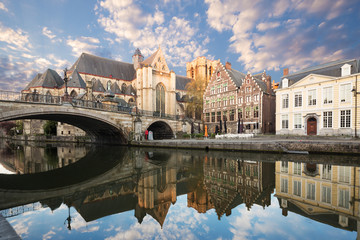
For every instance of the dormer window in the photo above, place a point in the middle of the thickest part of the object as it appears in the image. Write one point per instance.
(285, 83)
(345, 70)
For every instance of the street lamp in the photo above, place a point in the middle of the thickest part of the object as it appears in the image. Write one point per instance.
(66, 95)
(355, 95)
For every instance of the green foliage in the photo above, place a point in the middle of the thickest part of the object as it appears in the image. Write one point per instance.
(199, 135)
(212, 135)
(50, 128)
(19, 126)
(186, 135)
(195, 89)
(8, 127)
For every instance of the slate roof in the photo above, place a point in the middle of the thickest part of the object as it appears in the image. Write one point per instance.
(49, 79)
(115, 88)
(76, 81)
(33, 82)
(236, 76)
(150, 59)
(104, 67)
(181, 82)
(97, 86)
(332, 69)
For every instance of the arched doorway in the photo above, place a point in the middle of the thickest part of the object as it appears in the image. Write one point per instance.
(311, 126)
(161, 130)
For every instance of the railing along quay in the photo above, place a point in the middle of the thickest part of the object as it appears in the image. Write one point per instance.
(95, 105)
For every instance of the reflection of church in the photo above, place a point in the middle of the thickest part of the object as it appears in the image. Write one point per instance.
(323, 192)
(230, 182)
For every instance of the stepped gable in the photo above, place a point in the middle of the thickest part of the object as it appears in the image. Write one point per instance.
(332, 69)
(181, 82)
(50, 79)
(33, 82)
(103, 67)
(258, 79)
(76, 80)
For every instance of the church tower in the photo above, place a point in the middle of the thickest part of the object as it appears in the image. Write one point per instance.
(137, 58)
(201, 68)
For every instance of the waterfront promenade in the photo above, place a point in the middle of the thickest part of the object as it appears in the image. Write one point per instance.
(265, 143)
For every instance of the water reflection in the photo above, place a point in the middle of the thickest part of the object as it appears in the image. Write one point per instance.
(101, 181)
(323, 192)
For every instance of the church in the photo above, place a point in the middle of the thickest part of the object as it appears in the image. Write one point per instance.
(147, 84)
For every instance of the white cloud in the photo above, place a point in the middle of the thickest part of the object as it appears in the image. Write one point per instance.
(176, 36)
(17, 39)
(2, 7)
(48, 235)
(48, 33)
(83, 44)
(263, 42)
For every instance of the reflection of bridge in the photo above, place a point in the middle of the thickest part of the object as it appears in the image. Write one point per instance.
(104, 122)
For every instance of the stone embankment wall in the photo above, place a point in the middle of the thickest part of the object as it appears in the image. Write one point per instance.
(260, 145)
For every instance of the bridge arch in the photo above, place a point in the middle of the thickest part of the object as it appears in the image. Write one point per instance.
(98, 127)
(161, 130)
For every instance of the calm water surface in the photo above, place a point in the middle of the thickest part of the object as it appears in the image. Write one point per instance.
(88, 192)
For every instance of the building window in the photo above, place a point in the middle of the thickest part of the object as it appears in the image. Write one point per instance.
(212, 90)
(225, 87)
(232, 115)
(297, 188)
(297, 120)
(207, 117)
(256, 98)
(225, 101)
(298, 99)
(345, 93)
(224, 116)
(218, 116)
(284, 185)
(240, 115)
(248, 99)
(297, 168)
(213, 117)
(285, 83)
(219, 102)
(248, 89)
(327, 119)
(344, 198)
(327, 93)
(310, 191)
(344, 174)
(345, 118)
(232, 100)
(240, 100)
(326, 194)
(326, 172)
(247, 112)
(285, 101)
(312, 97)
(285, 121)
(284, 166)
(256, 112)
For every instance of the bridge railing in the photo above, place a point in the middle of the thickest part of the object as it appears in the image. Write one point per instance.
(34, 97)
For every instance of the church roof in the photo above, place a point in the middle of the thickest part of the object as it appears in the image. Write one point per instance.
(98, 66)
(332, 69)
(97, 86)
(49, 79)
(115, 88)
(76, 81)
(150, 59)
(33, 82)
(181, 82)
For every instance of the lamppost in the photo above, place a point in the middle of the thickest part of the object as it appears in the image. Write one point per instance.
(355, 92)
(66, 95)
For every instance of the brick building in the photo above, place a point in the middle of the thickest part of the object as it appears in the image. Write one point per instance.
(237, 102)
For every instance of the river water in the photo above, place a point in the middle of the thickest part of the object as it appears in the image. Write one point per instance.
(67, 191)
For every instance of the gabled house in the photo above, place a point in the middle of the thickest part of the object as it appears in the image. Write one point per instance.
(235, 102)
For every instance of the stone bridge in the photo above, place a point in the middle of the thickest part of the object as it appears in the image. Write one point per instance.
(104, 123)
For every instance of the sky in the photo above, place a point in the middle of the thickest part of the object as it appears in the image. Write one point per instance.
(253, 36)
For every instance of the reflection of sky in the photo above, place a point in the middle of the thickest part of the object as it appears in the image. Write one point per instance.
(181, 223)
(3, 170)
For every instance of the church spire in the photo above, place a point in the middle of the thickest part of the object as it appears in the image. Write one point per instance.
(137, 58)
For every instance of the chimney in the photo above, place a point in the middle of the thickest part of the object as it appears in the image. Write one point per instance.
(286, 71)
(228, 65)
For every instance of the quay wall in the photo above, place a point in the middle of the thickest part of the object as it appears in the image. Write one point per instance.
(349, 147)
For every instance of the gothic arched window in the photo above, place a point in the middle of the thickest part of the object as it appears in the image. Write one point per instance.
(108, 86)
(160, 99)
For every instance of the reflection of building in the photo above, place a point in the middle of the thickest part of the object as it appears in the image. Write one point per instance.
(319, 100)
(323, 192)
(233, 182)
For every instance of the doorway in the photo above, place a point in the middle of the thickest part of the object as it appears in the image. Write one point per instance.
(312, 126)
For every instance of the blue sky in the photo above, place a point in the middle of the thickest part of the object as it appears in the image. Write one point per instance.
(253, 35)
